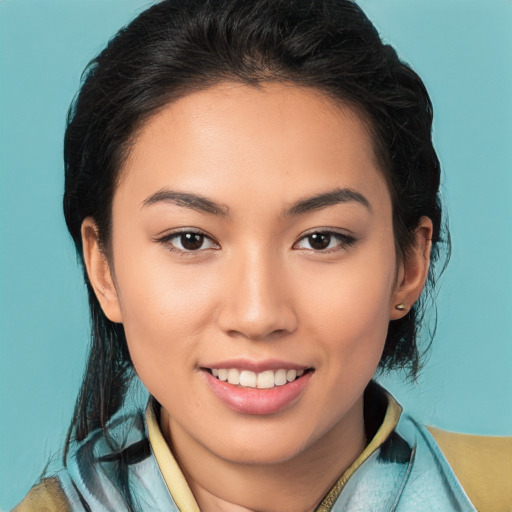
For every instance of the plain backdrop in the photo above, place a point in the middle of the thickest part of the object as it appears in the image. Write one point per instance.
(463, 51)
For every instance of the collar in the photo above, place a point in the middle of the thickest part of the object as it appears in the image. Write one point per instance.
(120, 468)
(391, 416)
(173, 476)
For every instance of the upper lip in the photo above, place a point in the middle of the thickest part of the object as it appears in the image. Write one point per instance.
(256, 366)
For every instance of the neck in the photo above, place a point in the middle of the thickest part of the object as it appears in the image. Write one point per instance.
(298, 483)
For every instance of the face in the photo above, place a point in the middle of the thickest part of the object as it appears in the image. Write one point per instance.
(252, 241)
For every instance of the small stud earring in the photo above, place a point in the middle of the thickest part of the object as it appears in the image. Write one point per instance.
(400, 307)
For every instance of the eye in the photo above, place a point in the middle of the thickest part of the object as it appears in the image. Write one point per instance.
(188, 241)
(324, 241)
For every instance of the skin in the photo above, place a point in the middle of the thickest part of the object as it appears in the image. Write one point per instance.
(256, 289)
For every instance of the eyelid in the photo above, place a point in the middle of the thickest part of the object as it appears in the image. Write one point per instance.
(167, 237)
(346, 238)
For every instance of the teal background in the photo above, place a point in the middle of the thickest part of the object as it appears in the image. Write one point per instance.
(463, 51)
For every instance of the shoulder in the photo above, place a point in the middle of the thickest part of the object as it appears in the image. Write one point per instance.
(482, 464)
(113, 468)
(46, 496)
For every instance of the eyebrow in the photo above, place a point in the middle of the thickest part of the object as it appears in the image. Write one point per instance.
(188, 200)
(308, 204)
(325, 199)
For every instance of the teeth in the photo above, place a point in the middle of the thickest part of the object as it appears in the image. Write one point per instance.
(233, 376)
(264, 380)
(280, 377)
(291, 375)
(248, 379)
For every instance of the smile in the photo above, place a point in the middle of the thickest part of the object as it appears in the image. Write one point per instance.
(257, 391)
(262, 380)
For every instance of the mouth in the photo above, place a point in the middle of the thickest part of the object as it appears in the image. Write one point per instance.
(258, 389)
(267, 379)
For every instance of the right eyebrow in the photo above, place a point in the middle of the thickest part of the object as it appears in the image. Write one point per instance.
(188, 200)
(326, 199)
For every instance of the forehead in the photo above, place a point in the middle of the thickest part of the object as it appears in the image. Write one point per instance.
(278, 140)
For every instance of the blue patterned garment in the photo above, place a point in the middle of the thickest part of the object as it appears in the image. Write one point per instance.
(119, 473)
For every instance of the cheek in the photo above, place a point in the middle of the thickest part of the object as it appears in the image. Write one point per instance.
(164, 310)
(348, 308)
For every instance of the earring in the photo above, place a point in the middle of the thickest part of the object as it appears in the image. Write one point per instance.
(400, 307)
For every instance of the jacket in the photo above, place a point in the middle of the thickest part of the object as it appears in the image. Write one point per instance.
(123, 468)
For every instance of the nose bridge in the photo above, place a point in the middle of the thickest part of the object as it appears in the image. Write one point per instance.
(257, 304)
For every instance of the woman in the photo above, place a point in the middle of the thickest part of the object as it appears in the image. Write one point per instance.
(253, 190)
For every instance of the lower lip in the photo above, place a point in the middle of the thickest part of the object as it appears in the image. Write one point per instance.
(258, 401)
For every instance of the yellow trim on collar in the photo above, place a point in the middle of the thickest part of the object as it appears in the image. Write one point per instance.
(393, 412)
(174, 478)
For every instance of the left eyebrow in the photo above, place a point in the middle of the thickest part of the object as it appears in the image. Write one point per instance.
(185, 199)
(325, 199)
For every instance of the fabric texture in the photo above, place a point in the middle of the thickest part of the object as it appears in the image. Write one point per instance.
(47, 496)
(483, 465)
(128, 466)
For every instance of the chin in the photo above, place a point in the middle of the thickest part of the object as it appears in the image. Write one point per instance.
(256, 453)
(267, 444)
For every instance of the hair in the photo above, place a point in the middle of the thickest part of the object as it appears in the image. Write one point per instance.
(178, 46)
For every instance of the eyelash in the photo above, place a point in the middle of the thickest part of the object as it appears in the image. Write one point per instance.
(344, 241)
(166, 240)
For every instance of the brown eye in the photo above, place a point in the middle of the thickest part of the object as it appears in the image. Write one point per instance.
(188, 242)
(325, 241)
(191, 241)
(319, 241)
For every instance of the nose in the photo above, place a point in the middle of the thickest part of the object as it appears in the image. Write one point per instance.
(257, 303)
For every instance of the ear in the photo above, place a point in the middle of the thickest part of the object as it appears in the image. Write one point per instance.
(413, 271)
(99, 272)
